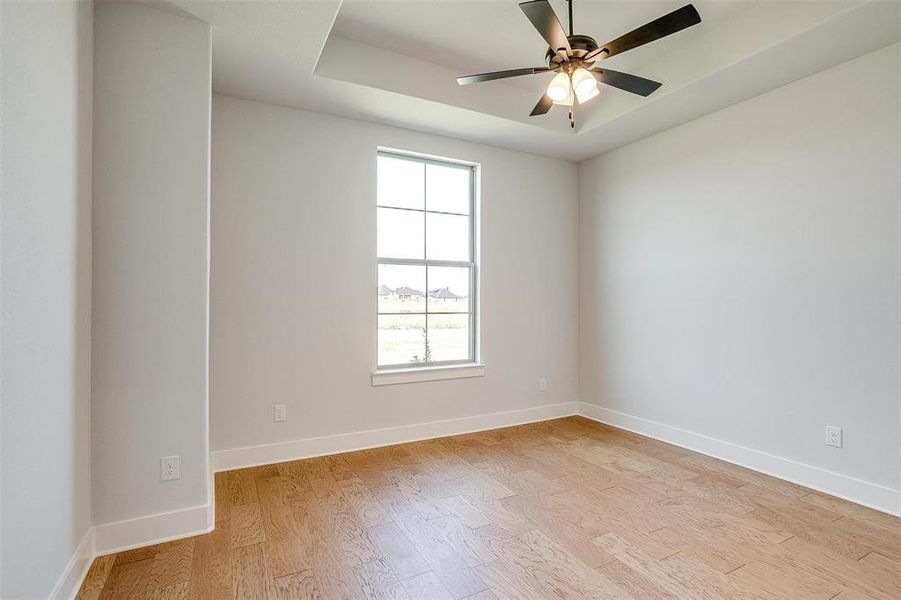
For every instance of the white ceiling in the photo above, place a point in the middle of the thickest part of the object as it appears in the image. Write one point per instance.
(395, 62)
(478, 36)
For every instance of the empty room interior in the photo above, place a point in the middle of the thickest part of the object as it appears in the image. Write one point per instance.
(450, 299)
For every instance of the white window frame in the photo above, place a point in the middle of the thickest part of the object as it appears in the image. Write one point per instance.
(469, 367)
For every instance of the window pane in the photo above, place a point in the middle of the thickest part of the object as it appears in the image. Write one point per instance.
(448, 188)
(400, 182)
(401, 339)
(401, 288)
(400, 233)
(449, 289)
(448, 237)
(449, 337)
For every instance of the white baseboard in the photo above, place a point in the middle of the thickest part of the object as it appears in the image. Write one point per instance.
(69, 582)
(126, 535)
(869, 494)
(152, 529)
(252, 456)
(109, 538)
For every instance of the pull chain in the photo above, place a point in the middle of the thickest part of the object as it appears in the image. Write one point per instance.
(572, 106)
(572, 92)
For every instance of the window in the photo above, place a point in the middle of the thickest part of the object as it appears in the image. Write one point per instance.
(426, 263)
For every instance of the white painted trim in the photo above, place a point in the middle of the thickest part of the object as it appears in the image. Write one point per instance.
(412, 375)
(252, 456)
(211, 497)
(866, 493)
(126, 535)
(69, 582)
(152, 529)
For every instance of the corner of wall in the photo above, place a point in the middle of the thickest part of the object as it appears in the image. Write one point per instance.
(872, 495)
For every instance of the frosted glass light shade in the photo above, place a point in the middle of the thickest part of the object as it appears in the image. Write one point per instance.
(559, 88)
(584, 83)
(583, 98)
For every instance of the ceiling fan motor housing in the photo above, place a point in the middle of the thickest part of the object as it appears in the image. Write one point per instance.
(580, 44)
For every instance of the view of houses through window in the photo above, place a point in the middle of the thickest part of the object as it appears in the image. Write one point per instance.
(426, 271)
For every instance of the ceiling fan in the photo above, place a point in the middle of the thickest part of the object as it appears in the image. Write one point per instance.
(574, 57)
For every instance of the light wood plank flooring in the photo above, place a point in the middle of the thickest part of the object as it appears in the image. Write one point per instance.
(560, 509)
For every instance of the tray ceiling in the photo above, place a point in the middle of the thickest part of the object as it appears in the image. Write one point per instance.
(394, 62)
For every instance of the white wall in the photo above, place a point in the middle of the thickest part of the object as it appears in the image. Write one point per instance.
(151, 203)
(294, 275)
(740, 273)
(45, 273)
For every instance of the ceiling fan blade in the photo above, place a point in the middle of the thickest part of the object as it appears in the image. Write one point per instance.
(545, 20)
(624, 81)
(656, 29)
(542, 107)
(467, 79)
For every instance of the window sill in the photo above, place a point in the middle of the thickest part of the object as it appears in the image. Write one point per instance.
(416, 374)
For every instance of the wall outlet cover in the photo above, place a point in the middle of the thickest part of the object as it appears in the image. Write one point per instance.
(279, 413)
(169, 468)
(542, 384)
(834, 436)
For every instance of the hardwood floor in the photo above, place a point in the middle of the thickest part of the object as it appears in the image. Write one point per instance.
(560, 509)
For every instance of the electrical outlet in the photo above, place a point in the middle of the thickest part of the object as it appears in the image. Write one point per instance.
(279, 413)
(169, 468)
(834, 436)
(542, 384)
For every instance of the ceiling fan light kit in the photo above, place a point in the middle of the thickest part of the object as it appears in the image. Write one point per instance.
(583, 83)
(574, 58)
(559, 88)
